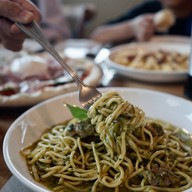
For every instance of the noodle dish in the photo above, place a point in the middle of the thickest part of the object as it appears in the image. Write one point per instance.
(124, 142)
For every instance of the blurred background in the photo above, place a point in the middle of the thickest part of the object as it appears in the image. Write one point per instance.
(104, 10)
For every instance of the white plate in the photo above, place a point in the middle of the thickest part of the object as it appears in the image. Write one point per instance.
(79, 48)
(31, 46)
(28, 99)
(25, 99)
(171, 39)
(30, 126)
(149, 75)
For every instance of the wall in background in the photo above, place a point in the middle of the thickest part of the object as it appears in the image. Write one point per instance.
(106, 9)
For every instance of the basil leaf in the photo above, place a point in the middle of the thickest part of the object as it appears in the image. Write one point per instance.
(77, 112)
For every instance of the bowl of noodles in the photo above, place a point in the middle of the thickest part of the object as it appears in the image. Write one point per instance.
(129, 140)
(151, 61)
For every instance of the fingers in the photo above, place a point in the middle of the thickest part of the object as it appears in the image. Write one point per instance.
(5, 27)
(12, 11)
(145, 33)
(29, 6)
(148, 21)
(11, 43)
(148, 27)
(149, 17)
(9, 40)
(19, 11)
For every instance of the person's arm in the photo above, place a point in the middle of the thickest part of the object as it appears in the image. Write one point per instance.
(141, 28)
(11, 11)
(127, 25)
(112, 33)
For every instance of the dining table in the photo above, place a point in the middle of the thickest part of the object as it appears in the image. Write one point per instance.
(9, 115)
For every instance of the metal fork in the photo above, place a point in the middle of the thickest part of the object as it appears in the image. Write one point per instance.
(87, 95)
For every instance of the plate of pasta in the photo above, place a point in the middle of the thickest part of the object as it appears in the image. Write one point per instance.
(129, 140)
(151, 61)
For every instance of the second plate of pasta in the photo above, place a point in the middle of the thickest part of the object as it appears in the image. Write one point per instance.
(151, 61)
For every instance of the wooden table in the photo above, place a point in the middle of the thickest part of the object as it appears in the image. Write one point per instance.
(7, 116)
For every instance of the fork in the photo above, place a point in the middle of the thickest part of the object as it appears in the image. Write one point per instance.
(87, 95)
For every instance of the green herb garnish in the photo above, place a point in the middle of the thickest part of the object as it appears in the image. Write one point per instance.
(77, 112)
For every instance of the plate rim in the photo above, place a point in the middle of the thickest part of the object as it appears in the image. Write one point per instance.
(133, 72)
(30, 99)
(31, 184)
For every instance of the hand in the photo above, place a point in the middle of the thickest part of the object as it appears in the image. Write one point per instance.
(11, 11)
(143, 27)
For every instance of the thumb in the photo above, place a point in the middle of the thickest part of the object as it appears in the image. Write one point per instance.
(14, 12)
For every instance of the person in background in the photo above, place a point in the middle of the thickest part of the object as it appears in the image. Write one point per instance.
(12, 11)
(139, 23)
(53, 22)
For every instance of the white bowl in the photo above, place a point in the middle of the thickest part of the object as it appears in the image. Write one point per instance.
(149, 75)
(30, 126)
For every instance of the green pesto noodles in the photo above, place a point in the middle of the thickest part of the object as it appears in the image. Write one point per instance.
(126, 151)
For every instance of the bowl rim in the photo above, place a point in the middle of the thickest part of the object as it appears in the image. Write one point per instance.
(29, 183)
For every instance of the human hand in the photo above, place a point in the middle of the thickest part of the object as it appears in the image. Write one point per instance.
(12, 11)
(143, 27)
